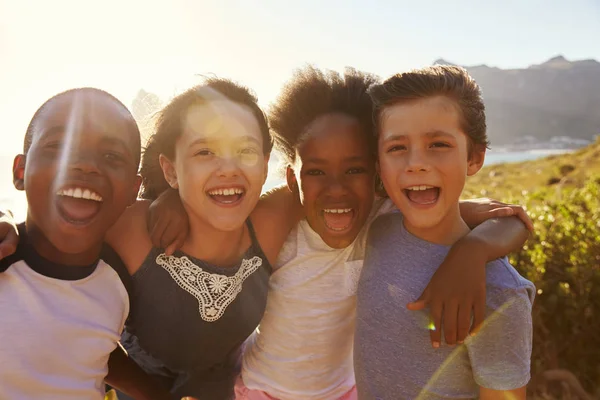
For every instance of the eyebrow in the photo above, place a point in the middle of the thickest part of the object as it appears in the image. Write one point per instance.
(321, 161)
(247, 138)
(431, 134)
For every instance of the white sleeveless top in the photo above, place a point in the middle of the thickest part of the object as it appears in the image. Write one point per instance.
(303, 346)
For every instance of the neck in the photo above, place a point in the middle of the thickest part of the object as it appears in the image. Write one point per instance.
(222, 248)
(48, 251)
(447, 232)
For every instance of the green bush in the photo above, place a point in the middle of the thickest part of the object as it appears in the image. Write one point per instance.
(563, 260)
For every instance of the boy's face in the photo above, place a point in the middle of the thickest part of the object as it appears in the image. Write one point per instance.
(334, 174)
(424, 159)
(80, 172)
(219, 165)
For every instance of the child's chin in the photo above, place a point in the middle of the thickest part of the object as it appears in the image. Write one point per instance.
(338, 240)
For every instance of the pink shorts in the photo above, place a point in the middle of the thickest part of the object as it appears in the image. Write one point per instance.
(243, 393)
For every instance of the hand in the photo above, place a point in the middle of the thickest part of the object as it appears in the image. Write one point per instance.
(475, 211)
(9, 235)
(168, 223)
(456, 290)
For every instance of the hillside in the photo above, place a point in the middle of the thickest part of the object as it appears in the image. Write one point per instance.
(557, 98)
(501, 181)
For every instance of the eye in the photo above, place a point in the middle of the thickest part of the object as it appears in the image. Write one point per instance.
(440, 145)
(54, 145)
(114, 156)
(314, 172)
(248, 150)
(204, 153)
(356, 170)
(398, 147)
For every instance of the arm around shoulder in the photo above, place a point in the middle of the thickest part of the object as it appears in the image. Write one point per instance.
(275, 215)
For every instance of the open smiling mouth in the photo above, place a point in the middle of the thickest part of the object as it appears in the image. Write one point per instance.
(226, 196)
(78, 205)
(338, 219)
(423, 195)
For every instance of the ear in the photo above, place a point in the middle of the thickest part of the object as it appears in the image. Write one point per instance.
(476, 159)
(19, 172)
(136, 190)
(266, 171)
(168, 171)
(292, 182)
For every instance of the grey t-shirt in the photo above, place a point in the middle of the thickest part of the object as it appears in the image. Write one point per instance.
(393, 356)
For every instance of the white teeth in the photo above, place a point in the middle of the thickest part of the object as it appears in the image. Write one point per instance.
(421, 187)
(337, 210)
(225, 192)
(80, 193)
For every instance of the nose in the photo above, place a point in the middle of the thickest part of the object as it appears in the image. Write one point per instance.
(82, 161)
(417, 161)
(228, 166)
(336, 186)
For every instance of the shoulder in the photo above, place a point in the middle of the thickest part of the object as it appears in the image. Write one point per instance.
(384, 224)
(506, 286)
(120, 279)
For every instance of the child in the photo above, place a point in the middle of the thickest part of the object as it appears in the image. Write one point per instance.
(431, 128)
(63, 303)
(193, 310)
(303, 347)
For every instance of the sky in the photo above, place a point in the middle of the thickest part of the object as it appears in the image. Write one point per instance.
(124, 45)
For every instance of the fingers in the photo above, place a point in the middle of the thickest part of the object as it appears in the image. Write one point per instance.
(501, 212)
(417, 305)
(177, 243)
(435, 331)
(156, 231)
(524, 217)
(478, 316)
(8, 245)
(464, 321)
(450, 317)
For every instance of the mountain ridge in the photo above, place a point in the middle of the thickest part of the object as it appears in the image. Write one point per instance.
(557, 98)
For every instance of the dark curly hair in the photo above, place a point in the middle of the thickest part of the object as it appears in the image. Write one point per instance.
(168, 127)
(312, 93)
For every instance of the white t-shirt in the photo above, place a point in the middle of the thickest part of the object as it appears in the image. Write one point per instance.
(303, 346)
(58, 326)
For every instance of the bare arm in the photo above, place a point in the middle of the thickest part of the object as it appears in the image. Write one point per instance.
(498, 237)
(275, 215)
(129, 236)
(490, 394)
(125, 375)
(457, 290)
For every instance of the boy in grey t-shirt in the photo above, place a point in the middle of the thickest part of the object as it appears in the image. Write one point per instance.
(431, 127)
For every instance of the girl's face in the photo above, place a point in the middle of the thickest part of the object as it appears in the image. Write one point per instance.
(219, 164)
(334, 175)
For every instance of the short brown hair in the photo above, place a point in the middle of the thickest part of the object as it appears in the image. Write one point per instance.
(439, 80)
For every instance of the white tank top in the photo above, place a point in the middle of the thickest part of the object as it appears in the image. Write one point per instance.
(303, 346)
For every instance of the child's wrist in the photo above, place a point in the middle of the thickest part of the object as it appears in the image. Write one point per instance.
(474, 248)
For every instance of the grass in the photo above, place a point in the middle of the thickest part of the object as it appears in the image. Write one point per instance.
(553, 174)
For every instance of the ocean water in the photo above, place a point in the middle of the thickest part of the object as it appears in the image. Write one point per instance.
(12, 199)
